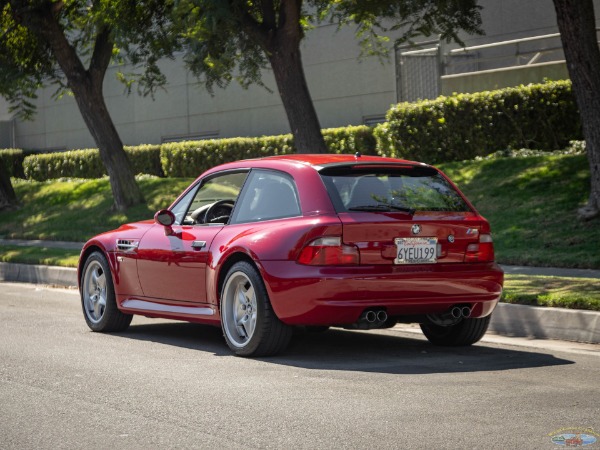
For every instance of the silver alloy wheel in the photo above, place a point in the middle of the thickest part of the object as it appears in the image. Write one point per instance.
(239, 309)
(94, 291)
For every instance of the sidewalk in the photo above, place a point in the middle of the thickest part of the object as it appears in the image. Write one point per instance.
(508, 320)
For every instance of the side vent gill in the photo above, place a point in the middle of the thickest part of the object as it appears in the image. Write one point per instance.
(127, 245)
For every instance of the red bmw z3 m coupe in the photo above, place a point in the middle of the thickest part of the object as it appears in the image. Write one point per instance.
(261, 246)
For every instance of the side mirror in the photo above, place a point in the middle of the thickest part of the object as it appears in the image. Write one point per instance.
(165, 218)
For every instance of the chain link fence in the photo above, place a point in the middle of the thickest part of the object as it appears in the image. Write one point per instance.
(417, 72)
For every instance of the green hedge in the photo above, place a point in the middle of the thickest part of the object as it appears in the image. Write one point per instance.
(87, 163)
(351, 139)
(190, 159)
(459, 127)
(145, 159)
(13, 161)
(187, 159)
(464, 126)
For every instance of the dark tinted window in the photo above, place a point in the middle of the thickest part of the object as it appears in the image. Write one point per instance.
(418, 189)
(267, 195)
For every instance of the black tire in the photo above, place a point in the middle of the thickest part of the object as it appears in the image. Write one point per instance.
(98, 299)
(249, 324)
(466, 332)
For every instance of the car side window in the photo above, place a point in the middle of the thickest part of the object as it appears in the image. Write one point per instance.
(213, 202)
(267, 195)
(182, 205)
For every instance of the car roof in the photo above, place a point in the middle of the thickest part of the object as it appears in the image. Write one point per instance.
(323, 159)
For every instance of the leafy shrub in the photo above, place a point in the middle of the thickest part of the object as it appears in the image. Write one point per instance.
(191, 158)
(350, 140)
(71, 164)
(186, 159)
(145, 159)
(87, 163)
(464, 126)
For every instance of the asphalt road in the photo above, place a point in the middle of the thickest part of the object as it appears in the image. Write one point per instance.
(165, 384)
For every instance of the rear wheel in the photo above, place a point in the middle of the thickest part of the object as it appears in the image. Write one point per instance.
(466, 332)
(250, 326)
(98, 297)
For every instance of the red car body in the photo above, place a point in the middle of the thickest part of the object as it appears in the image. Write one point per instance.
(179, 271)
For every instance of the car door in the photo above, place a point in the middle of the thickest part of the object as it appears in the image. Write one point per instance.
(172, 265)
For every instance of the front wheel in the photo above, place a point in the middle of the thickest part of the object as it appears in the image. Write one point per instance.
(249, 324)
(466, 332)
(98, 297)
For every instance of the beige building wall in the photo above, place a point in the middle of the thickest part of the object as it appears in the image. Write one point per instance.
(345, 90)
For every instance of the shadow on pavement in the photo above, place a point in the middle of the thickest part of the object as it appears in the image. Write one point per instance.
(338, 349)
(180, 334)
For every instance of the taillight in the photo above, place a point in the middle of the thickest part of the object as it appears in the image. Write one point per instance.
(328, 251)
(481, 252)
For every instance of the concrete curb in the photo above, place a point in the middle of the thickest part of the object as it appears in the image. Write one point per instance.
(546, 323)
(550, 271)
(507, 320)
(31, 273)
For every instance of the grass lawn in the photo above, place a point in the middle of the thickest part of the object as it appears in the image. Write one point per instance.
(572, 293)
(76, 210)
(37, 255)
(531, 203)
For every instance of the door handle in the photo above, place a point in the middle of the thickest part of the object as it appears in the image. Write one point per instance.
(198, 244)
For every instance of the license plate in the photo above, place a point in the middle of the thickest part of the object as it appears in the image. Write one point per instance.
(417, 250)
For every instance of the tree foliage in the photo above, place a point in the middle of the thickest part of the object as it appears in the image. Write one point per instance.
(237, 39)
(135, 32)
(227, 40)
(70, 44)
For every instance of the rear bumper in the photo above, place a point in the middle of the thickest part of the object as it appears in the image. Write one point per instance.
(305, 295)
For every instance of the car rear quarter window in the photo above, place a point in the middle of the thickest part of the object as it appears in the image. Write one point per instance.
(267, 195)
(412, 188)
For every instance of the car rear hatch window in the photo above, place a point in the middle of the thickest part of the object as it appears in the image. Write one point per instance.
(408, 189)
(402, 214)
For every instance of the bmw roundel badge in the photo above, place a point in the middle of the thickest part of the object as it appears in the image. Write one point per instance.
(416, 229)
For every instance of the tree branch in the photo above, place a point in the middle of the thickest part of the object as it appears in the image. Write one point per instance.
(101, 56)
(289, 19)
(268, 13)
(49, 28)
(254, 30)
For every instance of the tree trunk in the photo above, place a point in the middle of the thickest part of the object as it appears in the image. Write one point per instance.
(298, 104)
(577, 26)
(8, 198)
(86, 85)
(278, 32)
(95, 114)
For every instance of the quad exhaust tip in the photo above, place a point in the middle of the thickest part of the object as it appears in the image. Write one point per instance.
(372, 318)
(460, 312)
(369, 316)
